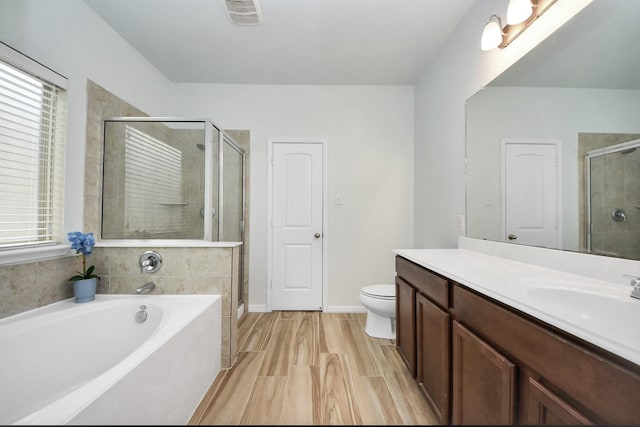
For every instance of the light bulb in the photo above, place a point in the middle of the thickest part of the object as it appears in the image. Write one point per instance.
(518, 11)
(491, 35)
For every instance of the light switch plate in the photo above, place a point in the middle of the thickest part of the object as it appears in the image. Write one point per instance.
(460, 219)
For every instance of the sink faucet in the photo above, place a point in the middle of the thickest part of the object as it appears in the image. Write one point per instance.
(635, 282)
(147, 287)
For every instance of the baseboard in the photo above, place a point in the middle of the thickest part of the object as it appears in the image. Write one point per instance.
(255, 308)
(345, 309)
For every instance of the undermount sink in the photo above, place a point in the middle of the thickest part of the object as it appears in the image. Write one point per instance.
(588, 304)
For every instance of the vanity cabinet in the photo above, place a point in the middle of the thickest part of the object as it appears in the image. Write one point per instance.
(544, 407)
(561, 377)
(406, 324)
(480, 361)
(431, 339)
(484, 381)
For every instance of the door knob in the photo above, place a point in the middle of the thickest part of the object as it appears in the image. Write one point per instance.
(317, 235)
(512, 236)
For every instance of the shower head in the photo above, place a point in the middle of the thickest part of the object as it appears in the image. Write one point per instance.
(200, 146)
(628, 150)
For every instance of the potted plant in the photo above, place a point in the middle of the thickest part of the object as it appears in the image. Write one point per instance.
(84, 283)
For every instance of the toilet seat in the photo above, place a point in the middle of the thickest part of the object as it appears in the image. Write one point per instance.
(383, 292)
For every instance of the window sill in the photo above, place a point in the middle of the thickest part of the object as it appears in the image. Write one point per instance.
(33, 254)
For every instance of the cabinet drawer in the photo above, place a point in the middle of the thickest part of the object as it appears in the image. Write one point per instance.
(424, 281)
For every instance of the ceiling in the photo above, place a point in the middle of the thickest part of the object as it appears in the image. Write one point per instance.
(315, 42)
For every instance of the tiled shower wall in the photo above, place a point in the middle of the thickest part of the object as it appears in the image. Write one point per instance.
(193, 270)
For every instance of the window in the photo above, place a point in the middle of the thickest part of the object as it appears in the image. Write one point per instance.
(32, 135)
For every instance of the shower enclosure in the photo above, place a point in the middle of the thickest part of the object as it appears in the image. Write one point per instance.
(171, 178)
(613, 200)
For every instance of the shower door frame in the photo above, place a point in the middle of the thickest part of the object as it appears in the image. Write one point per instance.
(223, 137)
(587, 173)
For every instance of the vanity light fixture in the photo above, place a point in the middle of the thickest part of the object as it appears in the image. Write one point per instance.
(520, 14)
(492, 34)
(518, 11)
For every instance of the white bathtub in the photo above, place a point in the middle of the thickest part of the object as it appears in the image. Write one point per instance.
(92, 363)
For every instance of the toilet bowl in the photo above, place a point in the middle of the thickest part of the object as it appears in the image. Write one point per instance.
(380, 302)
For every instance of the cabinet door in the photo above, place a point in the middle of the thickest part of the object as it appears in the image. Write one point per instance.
(405, 324)
(547, 408)
(433, 338)
(484, 381)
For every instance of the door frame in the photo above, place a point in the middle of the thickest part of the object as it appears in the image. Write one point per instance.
(325, 228)
(532, 141)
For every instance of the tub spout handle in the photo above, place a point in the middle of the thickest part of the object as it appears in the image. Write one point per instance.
(150, 262)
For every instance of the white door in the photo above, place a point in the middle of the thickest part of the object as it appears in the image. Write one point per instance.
(531, 193)
(297, 221)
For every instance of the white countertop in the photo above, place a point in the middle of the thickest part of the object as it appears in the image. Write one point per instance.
(597, 311)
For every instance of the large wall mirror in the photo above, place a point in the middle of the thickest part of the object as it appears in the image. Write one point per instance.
(551, 143)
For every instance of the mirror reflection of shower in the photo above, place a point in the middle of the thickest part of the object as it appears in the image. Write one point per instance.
(612, 186)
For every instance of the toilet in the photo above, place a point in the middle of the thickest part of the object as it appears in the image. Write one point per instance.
(380, 302)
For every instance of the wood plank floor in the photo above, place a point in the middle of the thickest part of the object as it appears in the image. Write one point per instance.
(312, 368)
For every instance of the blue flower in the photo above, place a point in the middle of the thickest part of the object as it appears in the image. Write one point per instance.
(83, 243)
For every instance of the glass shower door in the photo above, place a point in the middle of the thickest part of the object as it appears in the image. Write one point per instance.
(232, 192)
(613, 200)
(232, 215)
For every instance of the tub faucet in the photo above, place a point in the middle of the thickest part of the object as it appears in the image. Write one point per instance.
(147, 287)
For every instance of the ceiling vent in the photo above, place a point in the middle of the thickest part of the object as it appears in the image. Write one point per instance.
(244, 12)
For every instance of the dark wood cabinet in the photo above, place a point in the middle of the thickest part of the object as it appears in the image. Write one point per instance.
(406, 324)
(479, 361)
(430, 326)
(433, 339)
(596, 384)
(484, 382)
(547, 408)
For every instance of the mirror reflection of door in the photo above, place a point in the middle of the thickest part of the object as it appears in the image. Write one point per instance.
(531, 202)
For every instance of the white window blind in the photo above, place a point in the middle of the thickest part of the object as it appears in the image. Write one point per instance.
(153, 186)
(32, 135)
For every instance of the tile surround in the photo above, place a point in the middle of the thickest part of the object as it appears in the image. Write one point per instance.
(193, 270)
(31, 285)
(184, 271)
